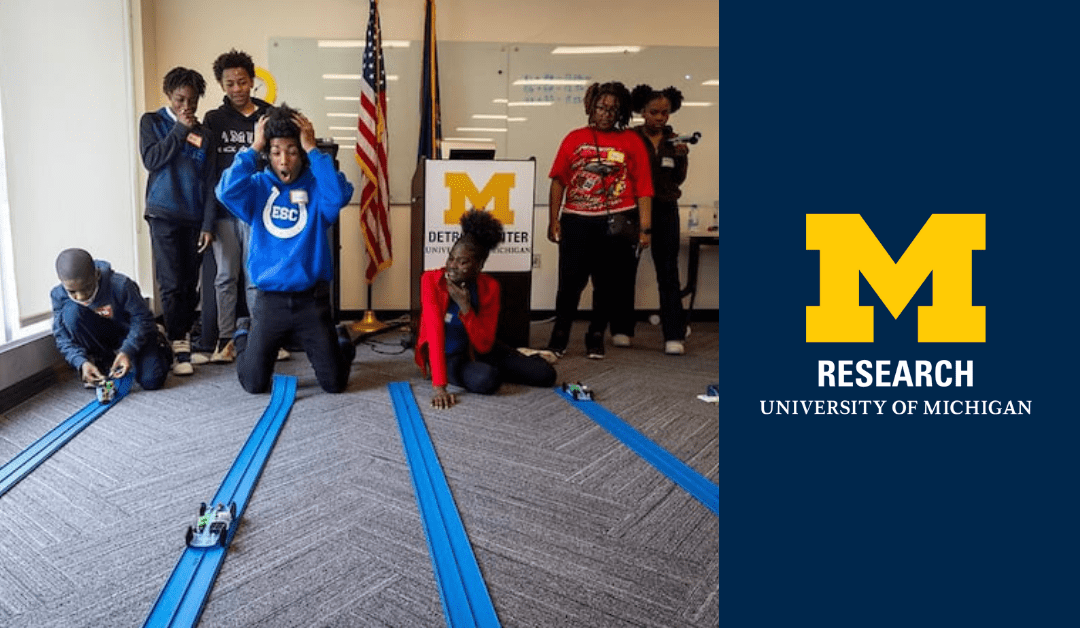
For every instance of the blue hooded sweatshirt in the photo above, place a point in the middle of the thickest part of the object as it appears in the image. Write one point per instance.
(289, 250)
(118, 298)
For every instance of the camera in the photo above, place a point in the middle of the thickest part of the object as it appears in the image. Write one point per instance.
(690, 138)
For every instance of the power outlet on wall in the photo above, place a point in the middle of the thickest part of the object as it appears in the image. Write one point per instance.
(536, 260)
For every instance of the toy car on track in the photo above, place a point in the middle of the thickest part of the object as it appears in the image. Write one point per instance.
(106, 391)
(212, 526)
(579, 391)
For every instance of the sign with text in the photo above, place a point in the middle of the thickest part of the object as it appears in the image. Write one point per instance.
(504, 188)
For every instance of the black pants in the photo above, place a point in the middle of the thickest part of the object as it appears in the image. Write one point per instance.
(303, 318)
(586, 252)
(176, 265)
(102, 338)
(503, 363)
(665, 255)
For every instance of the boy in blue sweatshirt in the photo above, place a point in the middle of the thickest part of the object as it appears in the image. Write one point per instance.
(102, 324)
(290, 205)
(179, 205)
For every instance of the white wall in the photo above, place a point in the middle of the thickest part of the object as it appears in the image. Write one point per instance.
(249, 24)
(69, 137)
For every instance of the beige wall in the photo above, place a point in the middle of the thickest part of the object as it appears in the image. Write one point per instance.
(193, 32)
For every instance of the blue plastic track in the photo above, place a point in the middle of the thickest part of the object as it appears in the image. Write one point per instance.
(464, 594)
(21, 465)
(676, 470)
(184, 596)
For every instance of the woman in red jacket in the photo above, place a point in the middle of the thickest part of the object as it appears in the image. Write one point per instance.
(459, 314)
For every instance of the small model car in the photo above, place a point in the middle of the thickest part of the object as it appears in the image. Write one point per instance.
(212, 526)
(579, 391)
(106, 391)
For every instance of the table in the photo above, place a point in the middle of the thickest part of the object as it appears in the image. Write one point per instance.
(697, 239)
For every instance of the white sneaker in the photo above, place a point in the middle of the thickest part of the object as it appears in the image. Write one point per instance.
(199, 358)
(620, 340)
(283, 355)
(182, 358)
(674, 347)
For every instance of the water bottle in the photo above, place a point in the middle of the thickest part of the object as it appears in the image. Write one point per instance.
(692, 221)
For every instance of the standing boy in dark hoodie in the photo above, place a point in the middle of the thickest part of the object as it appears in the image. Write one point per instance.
(102, 324)
(232, 127)
(290, 205)
(179, 204)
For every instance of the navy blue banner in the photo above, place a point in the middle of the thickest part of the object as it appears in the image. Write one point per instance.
(947, 503)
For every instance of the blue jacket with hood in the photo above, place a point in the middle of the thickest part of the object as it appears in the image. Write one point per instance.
(118, 298)
(289, 250)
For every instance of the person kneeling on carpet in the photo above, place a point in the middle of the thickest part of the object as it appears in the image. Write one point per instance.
(459, 314)
(102, 324)
(289, 205)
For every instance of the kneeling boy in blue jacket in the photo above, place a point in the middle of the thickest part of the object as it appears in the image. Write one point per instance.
(290, 205)
(102, 324)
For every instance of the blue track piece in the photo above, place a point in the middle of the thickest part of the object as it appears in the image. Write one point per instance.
(676, 470)
(21, 465)
(464, 595)
(181, 601)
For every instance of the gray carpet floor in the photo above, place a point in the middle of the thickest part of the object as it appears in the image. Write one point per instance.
(569, 527)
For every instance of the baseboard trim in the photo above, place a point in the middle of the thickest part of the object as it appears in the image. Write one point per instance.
(28, 387)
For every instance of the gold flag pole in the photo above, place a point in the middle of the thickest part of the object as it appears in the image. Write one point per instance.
(370, 323)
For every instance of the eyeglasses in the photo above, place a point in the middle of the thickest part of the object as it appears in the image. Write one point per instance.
(603, 109)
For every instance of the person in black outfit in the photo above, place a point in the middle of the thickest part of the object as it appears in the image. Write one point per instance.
(669, 162)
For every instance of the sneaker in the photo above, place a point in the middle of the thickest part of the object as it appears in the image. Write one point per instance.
(594, 346)
(558, 342)
(225, 352)
(620, 340)
(182, 357)
(283, 354)
(199, 358)
(674, 347)
(545, 355)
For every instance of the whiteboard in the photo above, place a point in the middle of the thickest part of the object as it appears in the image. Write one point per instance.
(483, 79)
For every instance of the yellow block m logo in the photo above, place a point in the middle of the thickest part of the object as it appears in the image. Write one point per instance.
(848, 247)
(463, 189)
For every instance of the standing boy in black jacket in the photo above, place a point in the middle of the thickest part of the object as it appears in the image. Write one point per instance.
(232, 127)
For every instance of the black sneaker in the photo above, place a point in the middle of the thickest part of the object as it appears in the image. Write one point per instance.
(594, 346)
(558, 342)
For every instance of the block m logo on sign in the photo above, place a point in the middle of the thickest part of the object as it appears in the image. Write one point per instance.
(848, 247)
(463, 189)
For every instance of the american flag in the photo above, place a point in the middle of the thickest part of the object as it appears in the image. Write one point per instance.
(371, 152)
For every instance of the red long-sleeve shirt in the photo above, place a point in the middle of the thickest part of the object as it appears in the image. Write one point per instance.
(480, 322)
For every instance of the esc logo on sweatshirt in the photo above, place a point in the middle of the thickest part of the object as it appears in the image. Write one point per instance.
(285, 221)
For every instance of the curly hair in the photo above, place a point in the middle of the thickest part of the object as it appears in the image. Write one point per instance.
(480, 233)
(233, 59)
(183, 77)
(280, 123)
(616, 89)
(642, 95)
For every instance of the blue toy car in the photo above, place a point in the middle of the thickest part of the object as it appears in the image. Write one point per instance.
(212, 526)
(578, 391)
